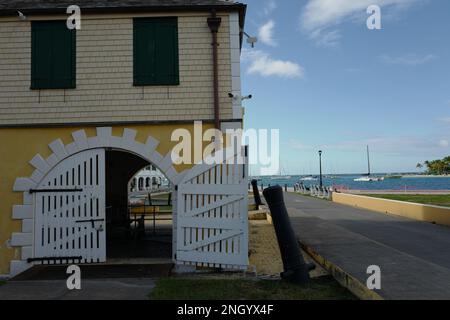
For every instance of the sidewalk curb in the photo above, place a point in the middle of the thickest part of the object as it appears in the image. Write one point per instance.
(346, 280)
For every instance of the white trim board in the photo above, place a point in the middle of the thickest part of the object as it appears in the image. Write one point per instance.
(235, 55)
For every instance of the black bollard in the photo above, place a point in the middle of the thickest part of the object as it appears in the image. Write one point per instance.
(295, 268)
(256, 194)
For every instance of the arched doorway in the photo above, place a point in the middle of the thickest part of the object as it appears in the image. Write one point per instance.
(209, 203)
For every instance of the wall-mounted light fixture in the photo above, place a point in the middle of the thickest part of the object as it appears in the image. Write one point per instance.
(250, 40)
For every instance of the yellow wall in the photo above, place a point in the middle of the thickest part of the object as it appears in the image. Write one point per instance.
(19, 145)
(421, 212)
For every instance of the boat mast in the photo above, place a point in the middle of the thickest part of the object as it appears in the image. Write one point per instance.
(368, 159)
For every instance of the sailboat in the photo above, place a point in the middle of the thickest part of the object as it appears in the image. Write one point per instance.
(281, 176)
(368, 177)
(310, 178)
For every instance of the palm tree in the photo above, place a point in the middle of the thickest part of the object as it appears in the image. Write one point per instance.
(427, 164)
(436, 167)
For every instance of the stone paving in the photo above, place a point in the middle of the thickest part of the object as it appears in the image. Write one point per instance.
(414, 256)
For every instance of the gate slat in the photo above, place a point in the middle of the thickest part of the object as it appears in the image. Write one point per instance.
(220, 189)
(211, 223)
(220, 218)
(211, 206)
(58, 212)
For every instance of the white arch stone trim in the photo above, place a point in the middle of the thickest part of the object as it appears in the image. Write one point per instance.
(103, 139)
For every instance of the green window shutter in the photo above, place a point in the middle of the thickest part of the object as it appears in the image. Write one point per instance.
(53, 58)
(156, 60)
(41, 60)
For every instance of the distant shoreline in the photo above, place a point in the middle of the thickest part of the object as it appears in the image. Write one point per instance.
(424, 176)
(405, 176)
(398, 192)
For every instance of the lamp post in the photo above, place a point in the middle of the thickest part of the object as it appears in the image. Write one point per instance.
(320, 164)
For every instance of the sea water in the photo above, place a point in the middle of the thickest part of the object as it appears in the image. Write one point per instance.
(347, 181)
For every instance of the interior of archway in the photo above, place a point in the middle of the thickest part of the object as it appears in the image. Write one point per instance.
(138, 210)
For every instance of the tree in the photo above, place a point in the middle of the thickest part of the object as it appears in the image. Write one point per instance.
(419, 166)
(438, 167)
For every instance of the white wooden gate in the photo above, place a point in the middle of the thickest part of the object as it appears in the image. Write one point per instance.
(70, 211)
(212, 214)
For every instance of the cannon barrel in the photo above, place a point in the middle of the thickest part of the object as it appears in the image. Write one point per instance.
(295, 268)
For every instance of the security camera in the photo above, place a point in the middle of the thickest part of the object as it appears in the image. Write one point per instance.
(238, 97)
(21, 15)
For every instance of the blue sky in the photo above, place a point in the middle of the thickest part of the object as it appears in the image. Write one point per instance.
(328, 82)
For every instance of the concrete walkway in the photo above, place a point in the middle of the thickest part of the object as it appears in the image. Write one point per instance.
(104, 289)
(414, 256)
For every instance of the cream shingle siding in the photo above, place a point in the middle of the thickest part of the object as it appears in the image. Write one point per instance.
(105, 91)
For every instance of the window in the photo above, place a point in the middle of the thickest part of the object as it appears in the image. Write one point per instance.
(156, 51)
(53, 55)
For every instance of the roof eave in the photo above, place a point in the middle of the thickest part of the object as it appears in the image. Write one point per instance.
(239, 7)
(132, 9)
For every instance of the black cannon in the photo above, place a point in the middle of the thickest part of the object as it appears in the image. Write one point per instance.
(295, 268)
(256, 194)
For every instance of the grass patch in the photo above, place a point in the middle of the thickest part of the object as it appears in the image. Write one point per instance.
(437, 200)
(2, 282)
(324, 288)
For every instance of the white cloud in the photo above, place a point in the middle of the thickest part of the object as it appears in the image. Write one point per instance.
(400, 145)
(269, 6)
(298, 145)
(446, 120)
(443, 143)
(263, 64)
(318, 16)
(265, 33)
(409, 59)
(325, 38)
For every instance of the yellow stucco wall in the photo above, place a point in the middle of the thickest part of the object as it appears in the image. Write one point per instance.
(415, 211)
(19, 145)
